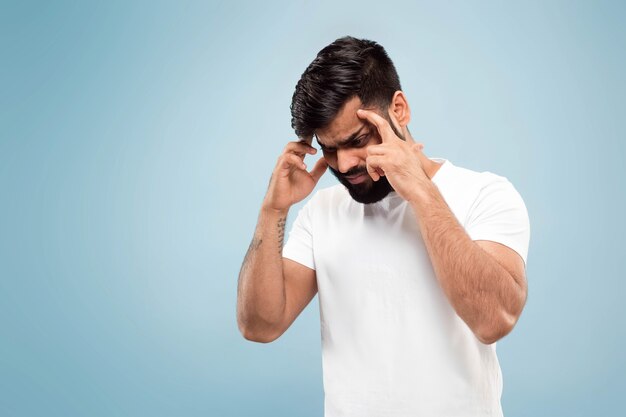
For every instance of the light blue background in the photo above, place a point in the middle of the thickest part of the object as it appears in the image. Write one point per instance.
(136, 143)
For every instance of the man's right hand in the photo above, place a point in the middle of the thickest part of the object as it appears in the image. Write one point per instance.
(291, 182)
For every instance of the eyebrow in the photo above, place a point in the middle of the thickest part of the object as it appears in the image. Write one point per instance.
(343, 142)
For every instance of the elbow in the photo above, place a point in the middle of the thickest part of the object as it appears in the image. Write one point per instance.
(501, 323)
(496, 329)
(488, 338)
(258, 337)
(258, 332)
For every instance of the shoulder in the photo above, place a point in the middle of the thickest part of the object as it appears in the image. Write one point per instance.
(457, 177)
(464, 189)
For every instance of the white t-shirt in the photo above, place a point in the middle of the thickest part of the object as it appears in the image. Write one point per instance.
(392, 345)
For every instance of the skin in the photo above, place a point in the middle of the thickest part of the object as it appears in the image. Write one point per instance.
(484, 281)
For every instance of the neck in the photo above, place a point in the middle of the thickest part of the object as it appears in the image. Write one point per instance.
(430, 167)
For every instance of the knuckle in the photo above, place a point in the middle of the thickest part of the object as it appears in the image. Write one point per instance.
(295, 147)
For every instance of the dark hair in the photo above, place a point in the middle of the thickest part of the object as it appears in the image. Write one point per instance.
(346, 68)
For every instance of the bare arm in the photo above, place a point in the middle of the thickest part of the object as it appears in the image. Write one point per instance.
(272, 291)
(261, 288)
(484, 281)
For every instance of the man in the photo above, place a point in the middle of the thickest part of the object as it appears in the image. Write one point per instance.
(419, 264)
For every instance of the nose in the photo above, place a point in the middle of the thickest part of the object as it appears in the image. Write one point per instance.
(346, 160)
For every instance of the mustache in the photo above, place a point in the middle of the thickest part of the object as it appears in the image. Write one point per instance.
(352, 172)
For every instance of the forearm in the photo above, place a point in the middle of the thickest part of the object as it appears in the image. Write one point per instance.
(482, 292)
(261, 288)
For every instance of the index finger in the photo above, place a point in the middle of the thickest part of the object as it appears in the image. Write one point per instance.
(384, 129)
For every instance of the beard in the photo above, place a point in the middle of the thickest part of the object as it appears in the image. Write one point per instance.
(366, 192)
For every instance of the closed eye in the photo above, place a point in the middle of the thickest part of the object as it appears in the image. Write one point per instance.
(360, 141)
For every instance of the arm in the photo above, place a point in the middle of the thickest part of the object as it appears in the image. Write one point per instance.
(261, 287)
(272, 291)
(484, 281)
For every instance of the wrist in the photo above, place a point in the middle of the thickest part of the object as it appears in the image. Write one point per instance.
(423, 194)
(274, 212)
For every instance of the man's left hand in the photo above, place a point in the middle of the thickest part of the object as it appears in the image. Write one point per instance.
(397, 159)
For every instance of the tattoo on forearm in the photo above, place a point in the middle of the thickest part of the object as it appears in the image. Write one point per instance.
(281, 233)
(257, 241)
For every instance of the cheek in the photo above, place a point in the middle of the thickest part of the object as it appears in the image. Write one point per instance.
(331, 159)
(362, 155)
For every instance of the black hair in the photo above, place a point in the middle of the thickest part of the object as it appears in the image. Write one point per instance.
(346, 68)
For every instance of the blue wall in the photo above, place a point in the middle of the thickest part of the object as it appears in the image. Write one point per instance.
(136, 143)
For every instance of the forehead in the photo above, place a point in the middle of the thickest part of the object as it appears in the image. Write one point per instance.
(343, 125)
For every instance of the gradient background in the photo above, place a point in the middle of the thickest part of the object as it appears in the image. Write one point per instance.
(136, 143)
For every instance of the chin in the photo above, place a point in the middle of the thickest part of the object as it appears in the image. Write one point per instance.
(369, 192)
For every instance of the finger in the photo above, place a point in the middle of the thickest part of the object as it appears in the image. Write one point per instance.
(373, 172)
(318, 169)
(377, 149)
(372, 164)
(290, 160)
(300, 148)
(382, 125)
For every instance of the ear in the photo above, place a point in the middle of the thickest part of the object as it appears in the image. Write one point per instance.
(399, 108)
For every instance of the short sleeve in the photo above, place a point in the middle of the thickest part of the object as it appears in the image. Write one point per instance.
(499, 214)
(299, 246)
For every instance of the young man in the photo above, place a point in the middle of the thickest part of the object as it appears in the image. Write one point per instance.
(419, 264)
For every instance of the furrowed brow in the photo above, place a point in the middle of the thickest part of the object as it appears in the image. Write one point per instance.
(343, 142)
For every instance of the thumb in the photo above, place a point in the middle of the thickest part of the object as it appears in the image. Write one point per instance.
(319, 169)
